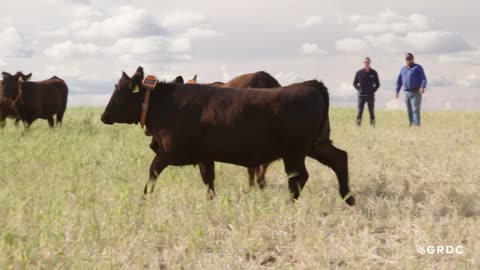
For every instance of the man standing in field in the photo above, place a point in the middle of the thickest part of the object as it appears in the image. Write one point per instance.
(413, 79)
(366, 82)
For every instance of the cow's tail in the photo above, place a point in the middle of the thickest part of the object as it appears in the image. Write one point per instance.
(63, 105)
(324, 131)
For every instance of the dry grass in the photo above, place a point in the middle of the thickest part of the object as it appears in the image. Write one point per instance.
(71, 198)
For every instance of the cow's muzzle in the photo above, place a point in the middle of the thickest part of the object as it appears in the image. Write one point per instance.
(106, 119)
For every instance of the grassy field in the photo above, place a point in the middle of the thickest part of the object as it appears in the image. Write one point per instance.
(71, 198)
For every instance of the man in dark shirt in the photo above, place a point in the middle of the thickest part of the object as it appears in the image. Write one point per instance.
(366, 82)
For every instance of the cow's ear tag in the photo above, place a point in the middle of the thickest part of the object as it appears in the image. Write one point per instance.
(20, 79)
(150, 82)
(136, 89)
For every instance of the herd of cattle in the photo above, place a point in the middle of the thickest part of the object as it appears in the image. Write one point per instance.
(249, 121)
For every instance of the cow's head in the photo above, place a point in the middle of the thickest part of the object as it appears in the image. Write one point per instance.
(11, 83)
(125, 105)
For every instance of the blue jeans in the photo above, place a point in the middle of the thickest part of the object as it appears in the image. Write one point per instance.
(361, 104)
(413, 99)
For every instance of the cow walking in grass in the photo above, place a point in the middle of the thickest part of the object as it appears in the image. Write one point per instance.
(260, 79)
(198, 124)
(34, 100)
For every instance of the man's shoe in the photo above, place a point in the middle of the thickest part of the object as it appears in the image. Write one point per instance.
(359, 122)
(372, 122)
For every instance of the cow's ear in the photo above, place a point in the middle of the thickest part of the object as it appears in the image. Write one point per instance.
(5, 74)
(140, 72)
(28, 77)
(125, 76)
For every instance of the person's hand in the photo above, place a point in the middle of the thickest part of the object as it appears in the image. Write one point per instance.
(422, 91)
(397, 95)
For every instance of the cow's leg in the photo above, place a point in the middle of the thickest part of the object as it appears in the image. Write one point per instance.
(336, 159)
(159, 163)
(207, 171)
(51, 123)
(261, 171)
(297, 175)
(17, 120)
(154, 145)
(60, 117)
(2, 121)
(251, 176)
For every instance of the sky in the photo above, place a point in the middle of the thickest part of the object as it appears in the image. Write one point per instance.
(89, 43)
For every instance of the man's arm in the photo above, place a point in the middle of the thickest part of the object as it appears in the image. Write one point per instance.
(399, 82)
(377, 82)
(423, 79)
(356, 82)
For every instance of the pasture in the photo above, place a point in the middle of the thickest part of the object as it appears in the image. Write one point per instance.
(72, 198)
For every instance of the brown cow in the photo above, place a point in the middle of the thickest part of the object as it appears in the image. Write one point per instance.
(197, 124)
(6, 109)
(33, 100)
(260, 79)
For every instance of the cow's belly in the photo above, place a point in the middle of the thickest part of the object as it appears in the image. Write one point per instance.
(246, 148)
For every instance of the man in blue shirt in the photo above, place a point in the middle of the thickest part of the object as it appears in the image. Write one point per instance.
(413, 79)
(366, 82)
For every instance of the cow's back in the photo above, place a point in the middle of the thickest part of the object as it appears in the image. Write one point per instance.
(45, 98)
(259, 79)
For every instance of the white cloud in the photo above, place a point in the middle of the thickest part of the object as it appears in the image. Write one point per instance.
(194, 33)
(351, 45)
(310, 21)
(438, 41)
(12, 43)
(226, 76)
(388, 21)
(287, 78)
(68, 49)
(435, 41)
(182, 19)
(151, 47)
(344, 90)
(466, 57)
(470, 81)
(312, 49)
(392, 33)
(126, 21)
(440, 81)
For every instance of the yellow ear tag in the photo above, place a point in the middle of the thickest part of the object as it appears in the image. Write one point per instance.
(136, 89)
(20, 79)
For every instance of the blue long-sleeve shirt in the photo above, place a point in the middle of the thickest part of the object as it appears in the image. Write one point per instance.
(411, 78)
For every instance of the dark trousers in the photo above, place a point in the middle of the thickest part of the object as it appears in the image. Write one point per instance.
(371, 105)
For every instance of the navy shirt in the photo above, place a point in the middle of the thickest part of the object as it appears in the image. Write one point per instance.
(366, 82)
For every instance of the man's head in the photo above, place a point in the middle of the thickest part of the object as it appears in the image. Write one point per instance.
(410, 60)
(366, 62)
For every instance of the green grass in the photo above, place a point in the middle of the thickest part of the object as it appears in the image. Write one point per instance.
(72, 198)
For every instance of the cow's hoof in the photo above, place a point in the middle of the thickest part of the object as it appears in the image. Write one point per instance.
(350, 201)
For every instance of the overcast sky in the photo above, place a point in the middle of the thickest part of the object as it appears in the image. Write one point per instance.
(89, 43)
